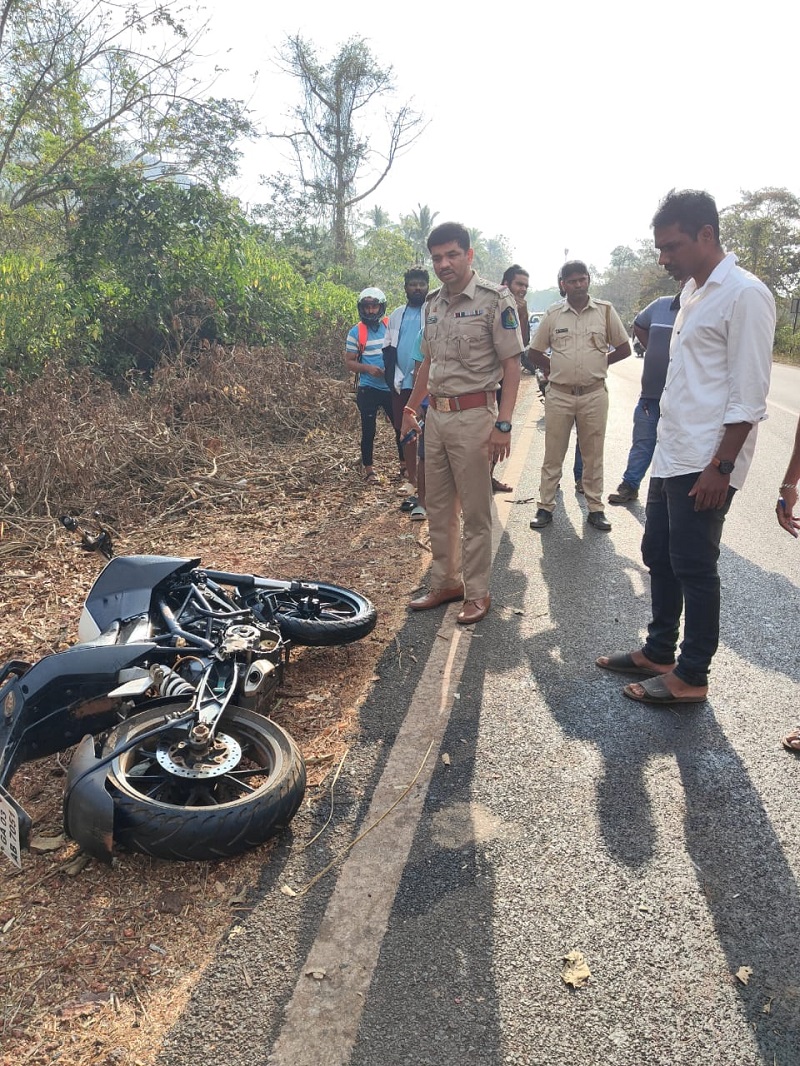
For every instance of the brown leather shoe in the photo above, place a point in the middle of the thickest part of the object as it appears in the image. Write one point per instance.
(436, 597)
(473, 611)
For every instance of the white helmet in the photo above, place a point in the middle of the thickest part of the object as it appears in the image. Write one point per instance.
(372, 318)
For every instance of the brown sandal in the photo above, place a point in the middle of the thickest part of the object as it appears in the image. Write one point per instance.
(792, 741)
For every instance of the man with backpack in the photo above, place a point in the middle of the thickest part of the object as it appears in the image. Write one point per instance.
(363, 356)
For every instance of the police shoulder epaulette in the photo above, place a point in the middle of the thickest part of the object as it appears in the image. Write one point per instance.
(501, 290)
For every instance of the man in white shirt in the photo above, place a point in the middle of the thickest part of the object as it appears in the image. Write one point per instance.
(715, 396)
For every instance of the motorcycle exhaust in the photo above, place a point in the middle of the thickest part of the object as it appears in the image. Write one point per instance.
(259, 675)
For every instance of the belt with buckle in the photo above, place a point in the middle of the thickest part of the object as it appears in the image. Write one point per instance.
(462, 403)
(579, 390)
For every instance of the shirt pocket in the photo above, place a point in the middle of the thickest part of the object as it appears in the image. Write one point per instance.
(561, 343)
(599, 342)
(470, 341)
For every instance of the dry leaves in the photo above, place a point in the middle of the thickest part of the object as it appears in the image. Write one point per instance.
(576, 971)
(93, 959)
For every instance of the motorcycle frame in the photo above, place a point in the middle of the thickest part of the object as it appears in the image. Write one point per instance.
(65, 698)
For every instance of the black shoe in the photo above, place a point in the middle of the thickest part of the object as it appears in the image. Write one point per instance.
(543, 518)
(599, 521)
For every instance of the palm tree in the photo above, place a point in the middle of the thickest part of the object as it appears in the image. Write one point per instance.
(377, 218)
(416, 228)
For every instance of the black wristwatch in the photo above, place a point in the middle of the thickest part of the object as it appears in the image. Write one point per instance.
(725, 466)
(504, 427)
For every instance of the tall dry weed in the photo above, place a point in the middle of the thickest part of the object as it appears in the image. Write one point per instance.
(216, 428)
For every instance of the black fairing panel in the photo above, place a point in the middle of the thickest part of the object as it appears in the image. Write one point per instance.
(62, 698)
(125, 587)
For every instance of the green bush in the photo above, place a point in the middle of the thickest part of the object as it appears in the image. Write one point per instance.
(36, 316)
(787, 344)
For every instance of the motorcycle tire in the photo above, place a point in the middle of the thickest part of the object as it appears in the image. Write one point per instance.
(170, 817)
(331, 615)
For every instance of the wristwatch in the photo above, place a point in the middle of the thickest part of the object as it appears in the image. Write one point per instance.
(504, 427)
(725, 466)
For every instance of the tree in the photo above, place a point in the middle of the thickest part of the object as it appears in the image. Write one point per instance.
(416, 228)
(377, 218)
(632, 280)
(764, 231)
(95, 83)
(382, 260)
(493, 256)
(335, 130)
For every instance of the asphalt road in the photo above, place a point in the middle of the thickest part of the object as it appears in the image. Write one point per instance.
(516, 808)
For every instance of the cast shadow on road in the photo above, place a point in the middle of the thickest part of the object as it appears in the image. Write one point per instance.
(749, 886)
(437, 959)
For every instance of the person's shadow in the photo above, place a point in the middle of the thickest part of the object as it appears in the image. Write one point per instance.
(746, 880)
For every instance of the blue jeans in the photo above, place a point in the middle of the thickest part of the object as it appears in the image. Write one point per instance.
(645, 430)
(680, 548)
(577, 466)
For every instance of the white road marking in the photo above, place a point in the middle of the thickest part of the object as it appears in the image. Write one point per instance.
(349, 939)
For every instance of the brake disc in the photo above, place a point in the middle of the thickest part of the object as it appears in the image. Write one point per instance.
(177, 757)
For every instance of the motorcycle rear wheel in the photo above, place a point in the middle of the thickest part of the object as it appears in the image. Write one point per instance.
(195, 819)
(326, 616)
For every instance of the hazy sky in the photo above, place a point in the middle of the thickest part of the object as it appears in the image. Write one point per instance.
(557, 126)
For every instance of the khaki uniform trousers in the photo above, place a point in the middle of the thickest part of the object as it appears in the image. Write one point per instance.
(589, 413)
(458, 498)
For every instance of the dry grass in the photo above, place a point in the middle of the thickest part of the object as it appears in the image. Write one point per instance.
(248, 461)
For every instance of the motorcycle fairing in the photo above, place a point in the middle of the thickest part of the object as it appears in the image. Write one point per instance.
(124, 589)
(62, 698)
(88, 806)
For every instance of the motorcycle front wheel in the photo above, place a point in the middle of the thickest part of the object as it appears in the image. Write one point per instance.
(171, 812)
(319, 615)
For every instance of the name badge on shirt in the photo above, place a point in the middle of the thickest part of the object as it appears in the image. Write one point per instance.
(561, 331)
(467, 314)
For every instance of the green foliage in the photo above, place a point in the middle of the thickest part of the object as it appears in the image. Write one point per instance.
(764, 231)
(163, 266)
(36, 317)
(493, 256)
(787, 342)
(633, 280)
(92, 83)
(382, 260)
(416, 227)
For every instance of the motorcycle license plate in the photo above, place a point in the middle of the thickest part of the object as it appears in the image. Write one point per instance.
(9, 832)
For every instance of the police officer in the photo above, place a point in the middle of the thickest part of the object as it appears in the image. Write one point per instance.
(471, 342)
(585, 336)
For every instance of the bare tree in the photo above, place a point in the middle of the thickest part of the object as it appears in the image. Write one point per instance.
(93, 82)
(343, 146)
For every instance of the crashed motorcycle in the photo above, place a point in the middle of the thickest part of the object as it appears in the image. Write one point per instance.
(166, 696)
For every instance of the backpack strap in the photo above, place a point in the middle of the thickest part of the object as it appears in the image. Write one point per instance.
(362, 339)
(362, 343)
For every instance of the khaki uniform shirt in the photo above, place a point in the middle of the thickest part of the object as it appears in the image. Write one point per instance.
(468, 336)
(579, 341)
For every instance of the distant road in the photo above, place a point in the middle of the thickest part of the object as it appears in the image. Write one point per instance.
(784, 392)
